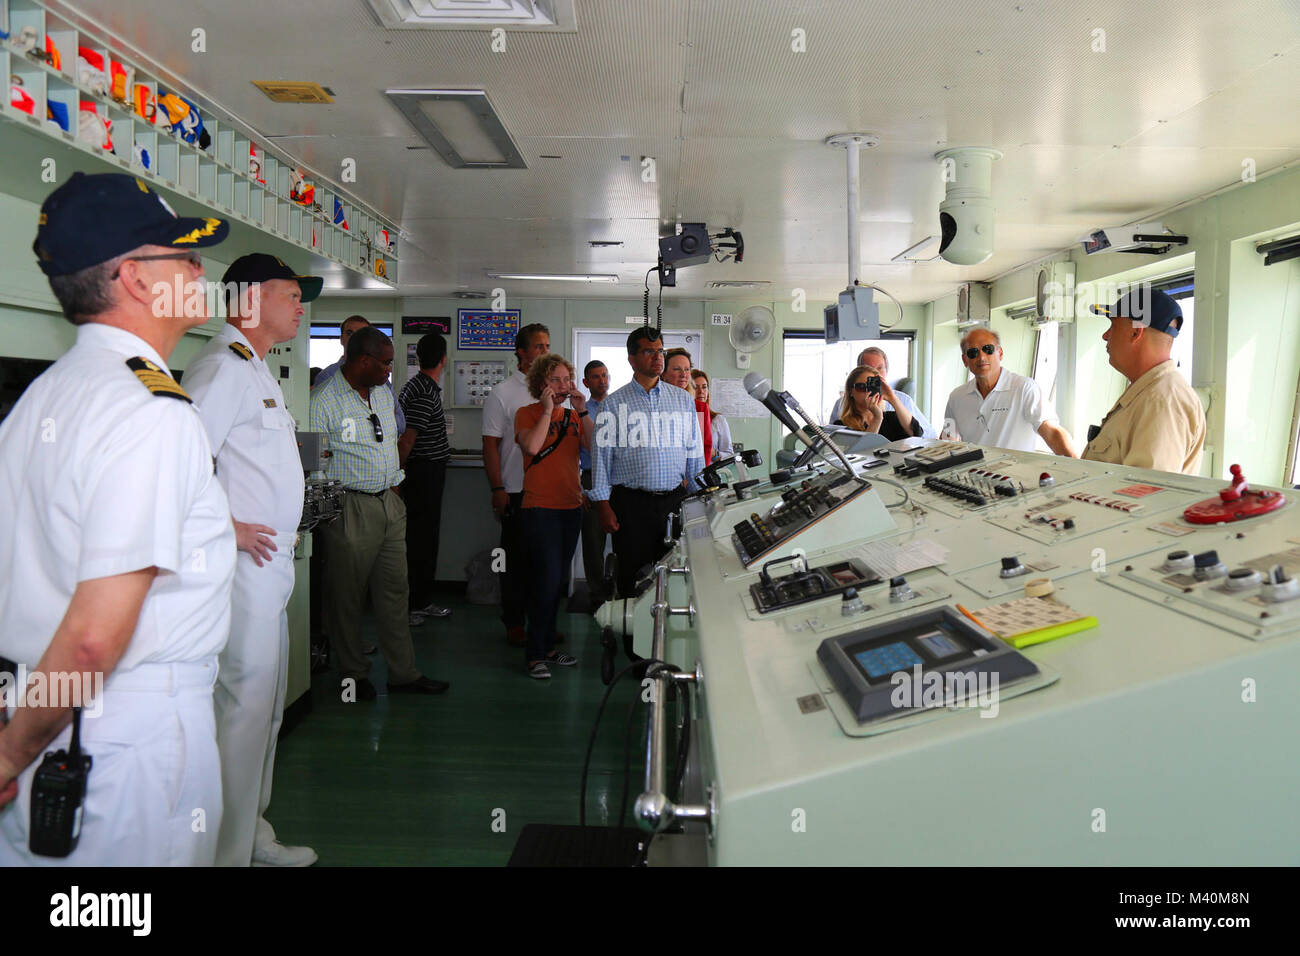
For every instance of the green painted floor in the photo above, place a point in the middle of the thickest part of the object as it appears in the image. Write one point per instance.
(414, 780)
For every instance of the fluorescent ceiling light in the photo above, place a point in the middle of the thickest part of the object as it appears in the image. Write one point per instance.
(738, 284)
(552, 15)
(552, 277)
(927, 250)
(461, 125)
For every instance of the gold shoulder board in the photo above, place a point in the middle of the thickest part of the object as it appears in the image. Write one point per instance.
(242, 350)
(155, 379)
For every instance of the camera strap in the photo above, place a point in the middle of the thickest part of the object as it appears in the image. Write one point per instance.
(564, 428)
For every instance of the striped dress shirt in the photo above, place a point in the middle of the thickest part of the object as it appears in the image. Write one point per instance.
(356, 459)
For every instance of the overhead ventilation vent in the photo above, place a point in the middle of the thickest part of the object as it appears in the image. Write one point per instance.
(537, 15)
(738, 284)
(461, 125)
(466, 294)
(284, 91)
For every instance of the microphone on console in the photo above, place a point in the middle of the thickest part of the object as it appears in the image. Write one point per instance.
(761, 389)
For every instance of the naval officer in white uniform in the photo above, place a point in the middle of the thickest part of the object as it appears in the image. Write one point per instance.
(116, 550)
(252, 434)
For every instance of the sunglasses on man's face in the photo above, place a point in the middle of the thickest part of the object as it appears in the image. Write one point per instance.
(379, 429)
(988, 348)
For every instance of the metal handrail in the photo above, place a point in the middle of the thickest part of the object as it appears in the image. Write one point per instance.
(654, 811)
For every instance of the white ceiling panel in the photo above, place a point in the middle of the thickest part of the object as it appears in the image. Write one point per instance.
(735, 118)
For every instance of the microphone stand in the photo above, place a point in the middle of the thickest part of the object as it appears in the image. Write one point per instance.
(822, 438)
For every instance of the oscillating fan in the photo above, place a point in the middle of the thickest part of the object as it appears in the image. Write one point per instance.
(751, 330)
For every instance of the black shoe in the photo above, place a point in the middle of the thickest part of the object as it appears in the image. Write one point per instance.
(363, 691)
(421, 685)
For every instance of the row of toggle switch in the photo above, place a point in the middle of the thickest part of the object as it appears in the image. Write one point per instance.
(1128, 507)
(1206, 566)
(976, 491)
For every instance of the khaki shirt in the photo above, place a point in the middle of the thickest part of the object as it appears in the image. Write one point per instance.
(1157, 423)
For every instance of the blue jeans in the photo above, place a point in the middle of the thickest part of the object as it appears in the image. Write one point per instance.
(551, 535)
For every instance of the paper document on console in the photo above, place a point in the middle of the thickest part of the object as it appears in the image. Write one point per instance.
(889, 560)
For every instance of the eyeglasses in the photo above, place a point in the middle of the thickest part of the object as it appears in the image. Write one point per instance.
(379, 429)
(988, 348)
(195, 259)
(651, 353)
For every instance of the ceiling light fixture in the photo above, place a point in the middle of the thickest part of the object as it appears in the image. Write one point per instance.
(549, 15)
(927, 250)
(461, 125)
(552, 277)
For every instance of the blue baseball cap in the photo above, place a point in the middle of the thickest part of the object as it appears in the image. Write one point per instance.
(1151, 307)
(93, 218)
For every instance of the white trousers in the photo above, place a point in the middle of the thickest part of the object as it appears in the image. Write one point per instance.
(153, 797)
(249, 699)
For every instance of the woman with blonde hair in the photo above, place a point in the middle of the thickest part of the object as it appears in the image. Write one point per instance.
(551, 513)
(718, 426)
(862, 407)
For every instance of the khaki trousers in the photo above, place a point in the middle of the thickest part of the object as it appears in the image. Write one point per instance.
(366, 551)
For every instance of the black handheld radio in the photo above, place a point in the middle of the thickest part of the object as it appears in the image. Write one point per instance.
(57, 793)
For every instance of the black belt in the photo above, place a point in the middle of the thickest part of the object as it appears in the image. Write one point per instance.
(372, 494)
(653, 494)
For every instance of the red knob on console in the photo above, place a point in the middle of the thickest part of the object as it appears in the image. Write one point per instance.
(1234, 491)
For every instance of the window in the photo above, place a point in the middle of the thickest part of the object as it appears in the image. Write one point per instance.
(1045, 359)
(815, 372)
(325, 349)
(610, 347)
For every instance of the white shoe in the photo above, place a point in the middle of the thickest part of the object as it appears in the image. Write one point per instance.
(277, 854)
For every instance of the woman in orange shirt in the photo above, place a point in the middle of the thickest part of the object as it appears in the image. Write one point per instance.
(551, 513)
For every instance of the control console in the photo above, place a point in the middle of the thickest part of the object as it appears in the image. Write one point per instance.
(801, 506)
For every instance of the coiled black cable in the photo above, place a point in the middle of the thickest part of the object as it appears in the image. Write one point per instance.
(591, 744)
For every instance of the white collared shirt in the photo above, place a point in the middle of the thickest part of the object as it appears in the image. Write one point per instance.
(101, 477)
(503, 401)
(243, 411)
(1009, 417)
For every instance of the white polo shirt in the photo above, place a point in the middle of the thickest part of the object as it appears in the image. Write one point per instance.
(499, 410)
(100, 476)
(243, 411)
(1009, 417)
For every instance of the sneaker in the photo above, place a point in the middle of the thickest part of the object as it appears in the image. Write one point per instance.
(564, 660)
(433, 610)
(277, 854)
(516, 636)
(539, 671)
(416, 618)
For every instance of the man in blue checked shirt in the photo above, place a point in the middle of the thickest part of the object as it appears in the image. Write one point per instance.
(648, 448)
(366, 544)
